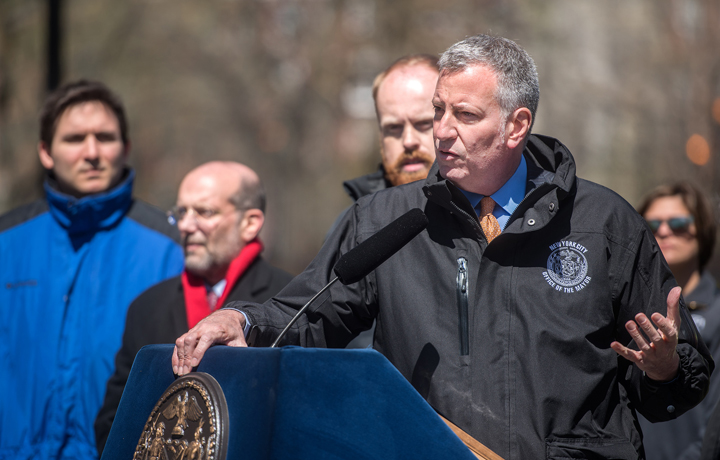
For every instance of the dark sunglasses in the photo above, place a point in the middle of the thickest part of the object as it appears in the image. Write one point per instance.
(676, 224)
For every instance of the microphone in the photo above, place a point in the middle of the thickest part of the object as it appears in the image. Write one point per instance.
(357, 263)
(368, 255)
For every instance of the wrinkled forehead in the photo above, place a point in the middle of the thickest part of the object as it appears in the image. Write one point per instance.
(206, 190)
(473, 84)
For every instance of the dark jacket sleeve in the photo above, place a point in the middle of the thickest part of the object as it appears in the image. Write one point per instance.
(335, 317)
(645, 289)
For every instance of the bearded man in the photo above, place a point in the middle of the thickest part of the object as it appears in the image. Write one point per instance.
(403, 103)
(220, 211)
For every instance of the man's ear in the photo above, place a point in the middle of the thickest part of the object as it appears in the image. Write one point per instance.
(518, 126)
(250, 224)
(45, 158)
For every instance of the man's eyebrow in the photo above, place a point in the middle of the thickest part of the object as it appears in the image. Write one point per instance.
(86, 132)
(422, 118)
(391, 121)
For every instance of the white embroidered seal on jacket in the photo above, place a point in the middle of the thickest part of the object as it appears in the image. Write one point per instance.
(567, 267)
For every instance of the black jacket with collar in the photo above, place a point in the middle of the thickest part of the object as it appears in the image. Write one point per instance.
(367, 184)
(158, 316)
(528, 370)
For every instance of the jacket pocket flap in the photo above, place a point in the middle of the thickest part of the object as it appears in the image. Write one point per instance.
(589, 448)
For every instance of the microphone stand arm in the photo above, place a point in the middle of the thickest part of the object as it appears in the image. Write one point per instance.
(300, 312)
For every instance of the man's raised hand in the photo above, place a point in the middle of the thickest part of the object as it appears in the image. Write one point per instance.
(657, 355)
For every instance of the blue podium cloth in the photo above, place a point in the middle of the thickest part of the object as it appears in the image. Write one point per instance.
(297, 403)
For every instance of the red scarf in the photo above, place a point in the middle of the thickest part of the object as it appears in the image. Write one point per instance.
(196, 304)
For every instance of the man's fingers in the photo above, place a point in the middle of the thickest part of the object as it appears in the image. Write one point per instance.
(175, 360)
(625, 352)
(668, 327)
(669, 324)
(673, 305)
(205, 342)
(657, 356)
(185, 346)
(652, 334)
(634, 332)
(222, 327)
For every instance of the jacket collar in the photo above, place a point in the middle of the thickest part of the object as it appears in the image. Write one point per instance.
(93, 212)
(550, 179)
(367, 184)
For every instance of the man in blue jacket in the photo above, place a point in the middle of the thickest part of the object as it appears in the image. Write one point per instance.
(70, 266)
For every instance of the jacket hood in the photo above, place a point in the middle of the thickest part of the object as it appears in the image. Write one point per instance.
(93, 212)
(554, 159)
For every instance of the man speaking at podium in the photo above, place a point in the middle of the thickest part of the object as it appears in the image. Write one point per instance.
(517, 313)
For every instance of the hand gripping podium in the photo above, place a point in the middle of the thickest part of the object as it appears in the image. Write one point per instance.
(294, 403)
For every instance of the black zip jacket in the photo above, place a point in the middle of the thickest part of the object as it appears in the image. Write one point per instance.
(367, 184)
(511, 340)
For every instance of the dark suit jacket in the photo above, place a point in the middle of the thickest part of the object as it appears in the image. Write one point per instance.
(158, 316)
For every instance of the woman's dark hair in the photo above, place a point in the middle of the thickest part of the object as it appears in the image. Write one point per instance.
(699, 207)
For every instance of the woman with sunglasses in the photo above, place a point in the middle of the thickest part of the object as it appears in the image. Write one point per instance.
(682, 221)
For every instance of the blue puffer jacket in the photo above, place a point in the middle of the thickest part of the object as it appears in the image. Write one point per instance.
(69, 269)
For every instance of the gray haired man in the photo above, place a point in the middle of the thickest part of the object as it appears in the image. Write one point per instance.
(533, 318)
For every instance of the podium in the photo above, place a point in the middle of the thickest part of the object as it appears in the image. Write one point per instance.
(297, 403)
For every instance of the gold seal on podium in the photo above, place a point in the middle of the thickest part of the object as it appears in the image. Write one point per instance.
(189, 422)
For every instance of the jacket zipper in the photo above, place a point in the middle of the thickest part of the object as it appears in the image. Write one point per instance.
(462, 301)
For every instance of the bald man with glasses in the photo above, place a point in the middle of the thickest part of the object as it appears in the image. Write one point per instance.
(220, 211)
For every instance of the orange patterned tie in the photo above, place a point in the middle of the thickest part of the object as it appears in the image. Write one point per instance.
(488, 222)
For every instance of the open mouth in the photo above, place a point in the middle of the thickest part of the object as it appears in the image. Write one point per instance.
(445, 155)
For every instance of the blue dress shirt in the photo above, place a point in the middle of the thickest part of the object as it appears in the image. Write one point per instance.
(507, 198)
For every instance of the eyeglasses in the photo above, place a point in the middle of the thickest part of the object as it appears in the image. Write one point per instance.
(676, 224)
(201, 215)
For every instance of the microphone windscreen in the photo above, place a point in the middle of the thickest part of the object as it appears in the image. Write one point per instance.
(368, 255)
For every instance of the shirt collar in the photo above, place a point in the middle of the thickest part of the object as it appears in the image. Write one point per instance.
(510, 194)
(218, 288)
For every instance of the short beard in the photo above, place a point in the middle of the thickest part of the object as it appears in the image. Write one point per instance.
(198, 265)
(395, 174)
